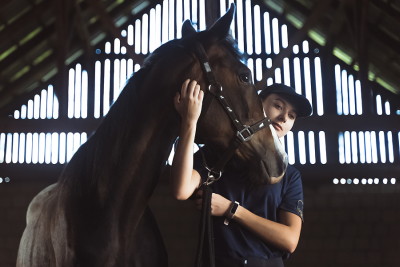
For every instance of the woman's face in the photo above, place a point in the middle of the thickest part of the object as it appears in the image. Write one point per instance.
(281, 113)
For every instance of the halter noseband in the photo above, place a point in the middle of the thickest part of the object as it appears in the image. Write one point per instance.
(243, 132)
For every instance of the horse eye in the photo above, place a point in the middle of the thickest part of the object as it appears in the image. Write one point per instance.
(244, 77)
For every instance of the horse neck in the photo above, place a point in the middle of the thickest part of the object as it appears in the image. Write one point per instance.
(129, 147)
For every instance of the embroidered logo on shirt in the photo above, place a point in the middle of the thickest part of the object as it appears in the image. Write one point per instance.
(299, 208)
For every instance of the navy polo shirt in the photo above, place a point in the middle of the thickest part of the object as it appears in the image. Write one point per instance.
(234, 240)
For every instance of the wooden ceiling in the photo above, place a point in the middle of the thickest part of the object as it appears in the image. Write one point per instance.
(362, 32)
(39, 36)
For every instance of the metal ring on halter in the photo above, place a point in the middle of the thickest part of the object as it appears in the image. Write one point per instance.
(216, 85)
(212, 176)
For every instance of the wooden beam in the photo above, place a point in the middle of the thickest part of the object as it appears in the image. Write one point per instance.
(14, 89)
(20, 22)
(212, 12)
(88, 57)
(387, 9)
(380, 36)
(24, 49)
(62, 10)
(82, 29)
(328, 60)
(361, 11)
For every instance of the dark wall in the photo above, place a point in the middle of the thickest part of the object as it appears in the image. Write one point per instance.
(345, 225)
(350, 225)
(14, 200)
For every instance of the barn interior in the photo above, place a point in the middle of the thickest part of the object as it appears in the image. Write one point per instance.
(342, 55)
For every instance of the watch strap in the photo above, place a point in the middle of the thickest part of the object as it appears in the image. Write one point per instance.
(231, 212)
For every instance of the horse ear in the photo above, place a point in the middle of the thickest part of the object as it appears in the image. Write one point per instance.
(221, 27)
(187, 29)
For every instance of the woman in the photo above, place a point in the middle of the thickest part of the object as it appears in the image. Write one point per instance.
(254, 224)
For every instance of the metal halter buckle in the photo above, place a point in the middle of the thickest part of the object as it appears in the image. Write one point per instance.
(245, 131)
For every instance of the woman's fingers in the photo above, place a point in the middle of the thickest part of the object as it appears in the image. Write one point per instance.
(185, 87)
(196, 91)
(189, 102)
(200, 96)
(192, 88)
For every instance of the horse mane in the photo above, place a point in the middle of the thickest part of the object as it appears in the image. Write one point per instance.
(96, 159)
(156, 55)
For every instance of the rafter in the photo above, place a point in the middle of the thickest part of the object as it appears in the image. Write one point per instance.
(18, 99)
(36, 11)
(82, 28)
(24, 49)
(387, 9)
(362, 50)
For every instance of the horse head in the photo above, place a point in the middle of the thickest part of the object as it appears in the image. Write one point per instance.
(231, 79)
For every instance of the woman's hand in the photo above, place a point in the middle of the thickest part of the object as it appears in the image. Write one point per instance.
(219, 204)
(189, 101)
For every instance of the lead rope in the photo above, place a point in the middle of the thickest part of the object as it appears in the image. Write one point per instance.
(205, 247)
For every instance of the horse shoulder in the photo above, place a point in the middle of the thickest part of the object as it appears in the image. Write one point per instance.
(34, 249)
(35, 208)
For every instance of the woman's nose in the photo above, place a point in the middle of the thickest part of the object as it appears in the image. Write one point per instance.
(283, 117)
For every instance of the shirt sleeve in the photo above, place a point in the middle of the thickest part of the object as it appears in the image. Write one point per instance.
(293, 200)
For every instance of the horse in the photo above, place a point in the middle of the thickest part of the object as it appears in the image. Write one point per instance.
(97, 214)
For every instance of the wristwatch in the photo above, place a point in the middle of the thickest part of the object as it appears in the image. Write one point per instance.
(231, 212)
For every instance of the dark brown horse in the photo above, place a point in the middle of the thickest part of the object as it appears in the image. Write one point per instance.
(96, 214)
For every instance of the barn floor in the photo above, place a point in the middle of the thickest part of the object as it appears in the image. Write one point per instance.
(345, 225)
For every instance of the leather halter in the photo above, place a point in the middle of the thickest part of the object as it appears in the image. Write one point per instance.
(243, 132)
